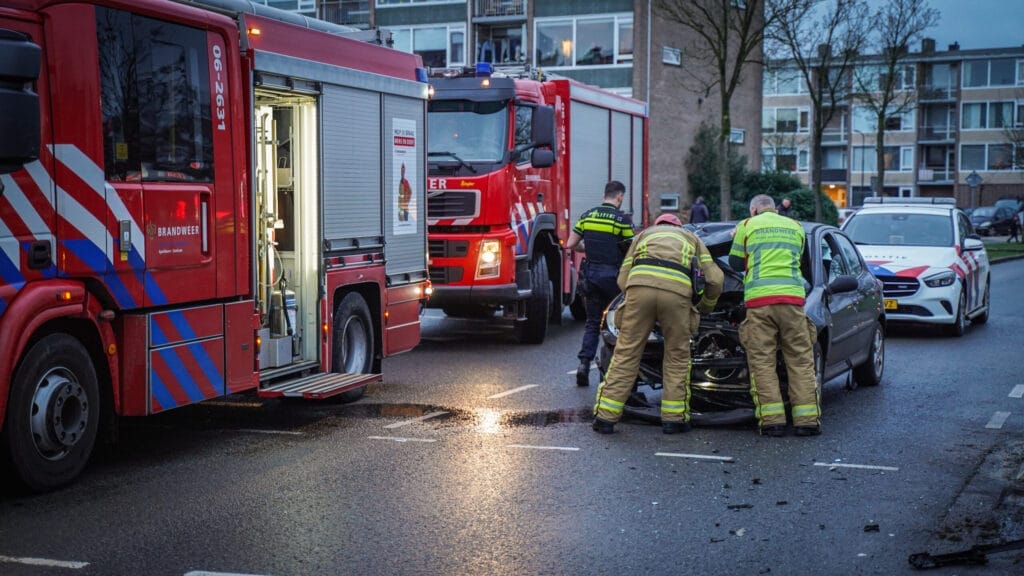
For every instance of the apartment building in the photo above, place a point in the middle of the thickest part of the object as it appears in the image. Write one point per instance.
(964, 103)
(619, 45)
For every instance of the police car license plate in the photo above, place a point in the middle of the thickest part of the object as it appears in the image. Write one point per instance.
(891, 304)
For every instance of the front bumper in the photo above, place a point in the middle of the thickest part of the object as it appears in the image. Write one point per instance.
(928, 305)
(489, 295)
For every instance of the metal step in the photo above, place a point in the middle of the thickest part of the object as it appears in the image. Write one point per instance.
(318, 386)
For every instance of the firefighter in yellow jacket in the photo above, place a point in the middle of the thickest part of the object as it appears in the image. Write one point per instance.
(657, 277)
(769, 247)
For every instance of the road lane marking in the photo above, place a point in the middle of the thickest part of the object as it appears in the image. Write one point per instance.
(696, 456)
(205, 573)
(567, 448)
(510, 392)
(44, 562)
(255, 431)
(400, 439)
(1017, 392)
(997, 421)
(858, 466)
(415, 420)
(593, 366)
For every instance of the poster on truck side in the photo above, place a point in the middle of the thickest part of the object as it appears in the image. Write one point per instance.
(404, 174)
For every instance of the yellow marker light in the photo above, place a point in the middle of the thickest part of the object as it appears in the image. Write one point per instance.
(259, 343)
(486, 82)
(429, 290)
(254, 31)
(430, 92)
(64, 296)
(324, 328)
(112, 349)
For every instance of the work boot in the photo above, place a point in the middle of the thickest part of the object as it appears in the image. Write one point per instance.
(675, 427)
(603, 426)
(773, 430)
(807, 430)
(583, 374)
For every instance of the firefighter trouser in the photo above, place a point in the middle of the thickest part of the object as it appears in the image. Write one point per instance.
(635, 318)
(765, 330)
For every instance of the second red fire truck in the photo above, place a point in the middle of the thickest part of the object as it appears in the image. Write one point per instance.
(196, 199)
(514, 159)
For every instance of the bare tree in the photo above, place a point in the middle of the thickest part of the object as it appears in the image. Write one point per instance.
(728, 37)
(1014, 136)
(821, 39)
(886, 84)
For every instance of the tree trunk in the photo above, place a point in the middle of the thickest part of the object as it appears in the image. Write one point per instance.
(816, 172)
(879, 189)
(724, 164)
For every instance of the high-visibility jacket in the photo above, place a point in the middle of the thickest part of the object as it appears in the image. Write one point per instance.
(663, 257)
(603, 228)
(768, 247)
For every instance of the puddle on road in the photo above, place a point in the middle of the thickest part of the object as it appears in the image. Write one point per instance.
(485, 419)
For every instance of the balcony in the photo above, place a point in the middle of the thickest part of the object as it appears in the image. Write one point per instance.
(347, 12)
(834, 138)
(499, 10)
(937, 134)
(833, 175)
(938, 94)
(943, 175)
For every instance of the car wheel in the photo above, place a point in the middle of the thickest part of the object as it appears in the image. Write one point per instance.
(53, 413)
(870, 372)
(985, 302)
(959, 325)
(534, 328)
(353, 342)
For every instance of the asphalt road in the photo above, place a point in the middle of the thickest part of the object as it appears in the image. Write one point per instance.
(476, 457)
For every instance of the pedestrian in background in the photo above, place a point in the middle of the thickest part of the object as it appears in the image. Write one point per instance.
(600, 233)
(786, 208)
(699, 212)
(768, 248)
(1014, 230)
(657, 276)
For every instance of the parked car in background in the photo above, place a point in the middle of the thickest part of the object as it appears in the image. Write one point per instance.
(844, 301)
(932, 264)
(845, 213)
(992, 220)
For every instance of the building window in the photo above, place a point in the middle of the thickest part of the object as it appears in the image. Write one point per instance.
(973, 115)
(1000, 156)
(672, 56)
(1000, 114)
(833, 158)
(1020, 72)
(439, 46)
(906, 158)
(385, 3)
(154, 99)
(972, 157)
(995, 72)
(875, 78)
(864, 159)
(785, 120)
(584, 41)
(864, 120)
(784, 159)
(901, 122)
(783, 81)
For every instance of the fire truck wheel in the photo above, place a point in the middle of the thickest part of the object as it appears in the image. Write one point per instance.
(534, 328)
(353, 342)
(53, 413)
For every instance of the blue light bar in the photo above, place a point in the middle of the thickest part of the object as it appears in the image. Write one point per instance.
(421, 75)
(483, 69)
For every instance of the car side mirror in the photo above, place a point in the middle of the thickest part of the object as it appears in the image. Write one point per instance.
(19, 104)
(973, 244)
(542, 158)
(844, 283)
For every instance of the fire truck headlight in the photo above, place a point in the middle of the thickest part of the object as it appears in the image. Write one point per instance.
(489, 260)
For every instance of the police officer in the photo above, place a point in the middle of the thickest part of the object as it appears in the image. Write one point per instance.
(599, 233)
(768, 247)
(657, 276)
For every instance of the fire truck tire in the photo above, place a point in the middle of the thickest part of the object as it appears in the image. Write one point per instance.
(53, 413)
(534, 328)
(353, 342)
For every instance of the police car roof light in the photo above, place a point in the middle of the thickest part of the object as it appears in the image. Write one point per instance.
(891, 200)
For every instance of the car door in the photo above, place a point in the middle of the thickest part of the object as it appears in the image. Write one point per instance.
(868, 294)
(976, 266)
(842, 306)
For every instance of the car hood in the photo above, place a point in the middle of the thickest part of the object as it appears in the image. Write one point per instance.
(907, 261)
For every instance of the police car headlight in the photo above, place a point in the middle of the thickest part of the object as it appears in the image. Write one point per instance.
(489, 260)
(941, 279)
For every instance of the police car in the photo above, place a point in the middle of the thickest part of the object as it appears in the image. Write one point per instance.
(933, 266)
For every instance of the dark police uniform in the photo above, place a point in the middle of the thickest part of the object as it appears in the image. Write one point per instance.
(603, 230)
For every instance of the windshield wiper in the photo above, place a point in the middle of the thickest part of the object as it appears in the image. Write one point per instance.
(457, 159)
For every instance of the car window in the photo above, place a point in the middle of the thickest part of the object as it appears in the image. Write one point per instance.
(966, 229)
(900, 229)
(851, 256)
(831, 259)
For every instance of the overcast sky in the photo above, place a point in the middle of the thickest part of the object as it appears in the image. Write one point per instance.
(976, 23)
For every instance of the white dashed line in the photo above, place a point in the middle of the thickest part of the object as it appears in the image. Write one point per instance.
(255, 431)
(205, 573)
(399, 439)
(566, 448)
(415, 420)
(858, 466)
(696, 456)
(44, 562)
(1017, 392)
(997, 421)
(510, 392)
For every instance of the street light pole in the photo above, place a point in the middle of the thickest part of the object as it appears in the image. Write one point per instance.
(862, 136)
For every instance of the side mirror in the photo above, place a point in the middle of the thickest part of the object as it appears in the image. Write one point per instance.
(844, 283)
(542, 158)
(20, 61)
(973, 245)
(542, 129)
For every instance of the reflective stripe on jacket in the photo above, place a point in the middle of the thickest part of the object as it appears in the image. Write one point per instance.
(602, 229)
(768, 247)
(661, 256)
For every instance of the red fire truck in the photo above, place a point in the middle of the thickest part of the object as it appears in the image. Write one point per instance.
(514, 159)
(199, 198)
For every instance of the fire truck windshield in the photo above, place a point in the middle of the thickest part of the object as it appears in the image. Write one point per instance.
(469, 131)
